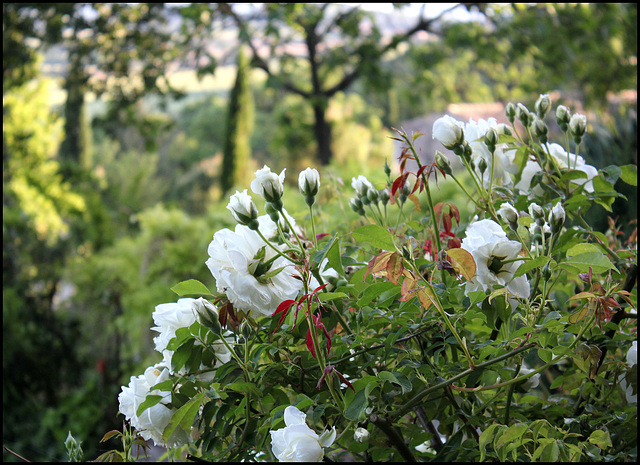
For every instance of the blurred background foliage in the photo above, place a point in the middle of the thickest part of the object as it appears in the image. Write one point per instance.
(116, 170)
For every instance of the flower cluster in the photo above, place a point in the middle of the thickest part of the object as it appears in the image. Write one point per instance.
(152, 421)
(362, 329)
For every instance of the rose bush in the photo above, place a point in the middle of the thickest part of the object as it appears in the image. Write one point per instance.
(417, 334)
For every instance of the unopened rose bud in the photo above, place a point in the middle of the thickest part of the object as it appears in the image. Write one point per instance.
(536, 212)
(385, 196)
(510, 111)
(442, 162)
(562, 117)
(309, 183)
(387, 169)
(357, 206)
(556, 218)
(361, 435)
(578, 126)
(491, 139)
(542, 105)
(509, 214)
(243, 209)
(523, 114)
(482, 166)
(373, 195)
(540, 130)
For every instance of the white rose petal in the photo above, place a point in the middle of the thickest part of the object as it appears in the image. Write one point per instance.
(487, 242)
(230, 255)
(268, 185)
(296, 442)
(448, 131)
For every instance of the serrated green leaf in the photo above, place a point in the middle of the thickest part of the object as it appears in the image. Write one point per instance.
(150, 401)
(191, 287)
(183, 417)
(530, 265)
(580, 263)
(375, 235)
(512, 434)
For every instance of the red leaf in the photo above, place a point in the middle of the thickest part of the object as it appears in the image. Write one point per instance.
(310, 343)
(284, 308)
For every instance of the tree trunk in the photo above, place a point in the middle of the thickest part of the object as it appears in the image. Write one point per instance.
(322, 131)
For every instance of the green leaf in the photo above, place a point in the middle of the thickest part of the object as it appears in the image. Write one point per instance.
(600, 438)
(373, 291)
(183, 417)
(530, 265)
(245, 388)
(545, 355)
(191, 287)
(334, 257)
(355, 410)
(150, 401)
(375, 235)
(512, 434)
(486, 437)
(580, 263)
(182, 354)
(629, 174)
(583, 248)
(326, 296)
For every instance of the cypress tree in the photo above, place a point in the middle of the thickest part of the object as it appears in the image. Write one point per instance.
(237, 145)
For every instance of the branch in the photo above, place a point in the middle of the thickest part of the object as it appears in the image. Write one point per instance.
(394, 436)
(421, 25)
(258, 61)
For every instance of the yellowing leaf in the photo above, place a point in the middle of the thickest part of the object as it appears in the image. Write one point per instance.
(462, 262)
(394, 267)
(378, 263)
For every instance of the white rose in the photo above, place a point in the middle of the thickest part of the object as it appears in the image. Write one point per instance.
(565, 161)
(632, 359)
(508, 213)
(268, 185)
(361, 435)
(448, 131)
(230, 255)
(309, 181)
(361, 185)
(487, 242)
(269, 228)
(297, 442)
(169, 317)
(152, 422)
(529, 383)
(242, 208)
(504, 166)
(569, 160)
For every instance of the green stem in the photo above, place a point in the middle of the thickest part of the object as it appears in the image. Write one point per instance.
(415, 400)
(510, 396)
(313, 228)
(464, 189)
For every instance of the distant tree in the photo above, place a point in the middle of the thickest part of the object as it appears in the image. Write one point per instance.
(237, 145)
(341, 44)
(585, 48)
